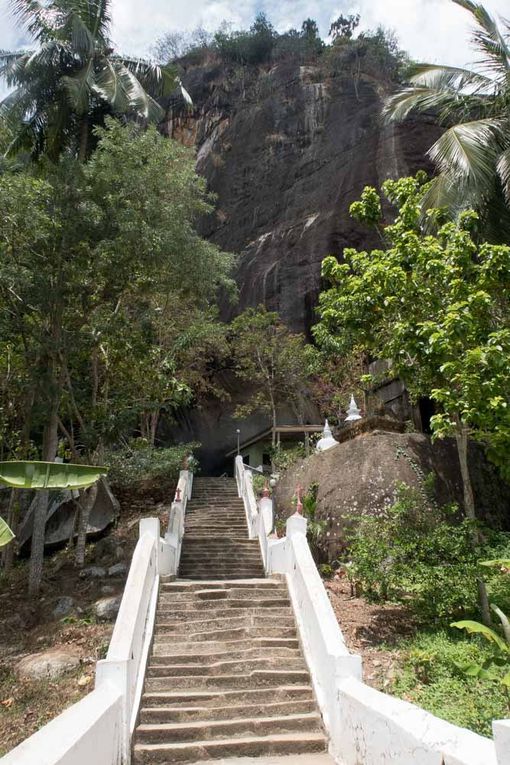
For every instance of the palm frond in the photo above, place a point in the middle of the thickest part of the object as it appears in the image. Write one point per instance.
(137, 97)
(79, 35)
(78, 88)
(445, 104)
(160, 81)
(108, 86)
(468, 152)
(488, 38)
(451, 78)
(32, 15)
(503, 168)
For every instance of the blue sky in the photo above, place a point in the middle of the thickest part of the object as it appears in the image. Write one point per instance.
(432, 30)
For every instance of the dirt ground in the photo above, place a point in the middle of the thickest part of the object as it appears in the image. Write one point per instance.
(370, 630)
(28, 626)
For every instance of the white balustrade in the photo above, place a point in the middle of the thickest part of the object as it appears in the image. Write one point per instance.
(363, 724)
(99, 728)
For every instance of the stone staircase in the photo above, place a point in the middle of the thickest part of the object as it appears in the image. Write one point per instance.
(226, 677)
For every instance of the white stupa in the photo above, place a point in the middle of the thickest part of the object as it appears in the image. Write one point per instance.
(353, 412)
(327, 440)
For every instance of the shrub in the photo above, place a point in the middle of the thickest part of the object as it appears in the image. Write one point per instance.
(138, 465)
(421, 555)
(431, 675)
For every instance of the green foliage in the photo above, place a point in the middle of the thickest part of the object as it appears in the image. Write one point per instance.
(420, 555)
(431, 675)
(283, 458)
(259, 484)
(276, 363)
(107, 291)
(73, 79)
(435, 306)
(247, 47)
(48, 475)
(316, 528)
(472, 156)
(138, 464)
(344, 27)
(326, 570)
(6, 534)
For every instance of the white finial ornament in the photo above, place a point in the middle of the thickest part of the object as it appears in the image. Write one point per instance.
(353, 412)
(327, 440)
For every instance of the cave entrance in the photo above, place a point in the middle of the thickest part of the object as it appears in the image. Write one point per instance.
(427, 410)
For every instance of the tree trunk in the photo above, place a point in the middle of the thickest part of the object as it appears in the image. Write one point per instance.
(461, 436)
(84, 139)
(86, 503)
(49, 451)
(154, 419)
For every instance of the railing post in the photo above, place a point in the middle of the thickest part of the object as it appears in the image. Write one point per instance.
(118, 673)
(296, 524)
(151, 526)
(501, 733)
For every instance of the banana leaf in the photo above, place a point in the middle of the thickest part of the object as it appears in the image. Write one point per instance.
(23, 474)
(6, 534)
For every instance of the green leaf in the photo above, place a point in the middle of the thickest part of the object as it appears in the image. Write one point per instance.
(49, 475)
(6, 535)
(480, 629)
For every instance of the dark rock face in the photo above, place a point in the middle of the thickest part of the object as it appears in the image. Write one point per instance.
(286, 151)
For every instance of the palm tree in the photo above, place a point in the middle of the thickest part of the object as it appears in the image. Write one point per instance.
(73, 78)
(472, 156)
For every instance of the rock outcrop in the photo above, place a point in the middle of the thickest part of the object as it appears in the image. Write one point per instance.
(286, 150)
(360, 476)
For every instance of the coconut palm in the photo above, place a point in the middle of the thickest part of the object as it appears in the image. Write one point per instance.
(472, 156)
(73, 78)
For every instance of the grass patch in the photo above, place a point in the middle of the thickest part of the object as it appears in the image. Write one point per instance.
(429, 674)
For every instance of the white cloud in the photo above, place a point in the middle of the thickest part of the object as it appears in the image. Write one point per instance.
(432, 30)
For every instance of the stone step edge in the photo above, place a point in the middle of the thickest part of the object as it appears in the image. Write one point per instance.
(194, 724)
(249, 741)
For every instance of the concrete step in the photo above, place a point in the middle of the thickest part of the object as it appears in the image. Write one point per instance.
(241, 633)
(226, 667)
(203, 594)
(245, 620)
(164, 647)
(214, 609)
(214, 699)
(207, 730)
(213, 584)
(212, 604)
(159, 656)
(262, 678)
(164, 714)
(282, 743)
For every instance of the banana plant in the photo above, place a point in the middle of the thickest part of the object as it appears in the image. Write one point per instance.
(24, 474)
(6, 534)
(497, 667)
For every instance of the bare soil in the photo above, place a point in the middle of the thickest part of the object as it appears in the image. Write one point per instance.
(28, 626)
(371, 630)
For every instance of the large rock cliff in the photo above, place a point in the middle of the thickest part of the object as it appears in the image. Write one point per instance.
(286, 150)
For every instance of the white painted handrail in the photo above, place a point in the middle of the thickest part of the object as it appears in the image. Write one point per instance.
(363, 724)
(173, 538)
(244, 479)
(99, 728)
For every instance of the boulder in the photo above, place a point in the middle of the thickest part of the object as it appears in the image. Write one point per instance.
(48, 664)
(61, 516)
(63, 606)
(118, 569)
(93, 572)
(360, 476)
(106, 609)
